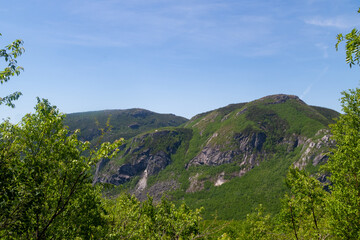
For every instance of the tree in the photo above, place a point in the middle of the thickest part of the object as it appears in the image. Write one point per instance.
(344, 163)
(352, 46)
(45, 179)
(303, 211)
(128, 218)
(344, 166)
(10, 53)
(257, 225)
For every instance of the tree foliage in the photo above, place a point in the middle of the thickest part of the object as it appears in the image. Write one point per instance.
(344, 166)
(45, 180)
(10, 53)
(352, 45)
(303, 213)
(46, 190)
(132, 219)
(257, 225)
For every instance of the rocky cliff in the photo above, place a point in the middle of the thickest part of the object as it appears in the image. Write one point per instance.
(144, 155)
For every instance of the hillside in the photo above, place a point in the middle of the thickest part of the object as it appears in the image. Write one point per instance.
(228, 160)
(119, 123)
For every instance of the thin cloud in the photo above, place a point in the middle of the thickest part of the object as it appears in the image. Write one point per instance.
(213, 25)
(307, 90)
(319, 78)
(340, 23)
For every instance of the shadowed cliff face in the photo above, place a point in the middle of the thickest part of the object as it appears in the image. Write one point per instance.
(149, 153)
(151, 163)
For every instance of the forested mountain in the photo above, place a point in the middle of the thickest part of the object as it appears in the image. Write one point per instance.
(119, 123)
(232, 158)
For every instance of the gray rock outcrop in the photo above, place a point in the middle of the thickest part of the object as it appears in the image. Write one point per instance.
(144, 157)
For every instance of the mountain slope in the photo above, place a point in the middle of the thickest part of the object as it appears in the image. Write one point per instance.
(228, 160)
(119, 123)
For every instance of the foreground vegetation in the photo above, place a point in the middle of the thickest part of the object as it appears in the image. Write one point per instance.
(46, 191)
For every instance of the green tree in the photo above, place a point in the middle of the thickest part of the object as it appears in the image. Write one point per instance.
(257, 225)
(303, 211)
(352, 45)
(344, 166)
(45, 179)
(344, 163)
(10, 53)
(128, 218)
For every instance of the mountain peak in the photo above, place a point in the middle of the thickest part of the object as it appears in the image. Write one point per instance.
(279, 98)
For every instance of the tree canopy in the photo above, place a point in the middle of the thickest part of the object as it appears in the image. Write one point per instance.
(352, 45)
(45, 179)
(10, 54)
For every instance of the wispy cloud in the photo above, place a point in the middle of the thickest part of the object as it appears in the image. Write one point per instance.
(307, 90)
(211, 24)
(338, 22)
(319, 78)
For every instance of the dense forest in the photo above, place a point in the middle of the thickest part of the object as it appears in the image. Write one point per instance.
(47, 190)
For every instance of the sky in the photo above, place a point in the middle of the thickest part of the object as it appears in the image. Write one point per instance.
(182, 57)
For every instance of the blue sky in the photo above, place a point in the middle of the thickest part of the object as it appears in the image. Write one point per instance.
(182, 57)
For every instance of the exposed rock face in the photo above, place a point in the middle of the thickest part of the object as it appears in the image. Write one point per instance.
(142, 182)
(99, 167)
(195, 184)
(220, 180)
(280, 98)
(294, 141)
(212, 157)
(246, 145)
(157, 190)
(313, 150)
(249, 151)
(144, 159)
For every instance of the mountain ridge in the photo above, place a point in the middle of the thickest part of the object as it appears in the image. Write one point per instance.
(231, 151)
(123, 123)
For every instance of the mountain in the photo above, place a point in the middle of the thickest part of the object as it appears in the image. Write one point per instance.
(115, 124)
(228, 160)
